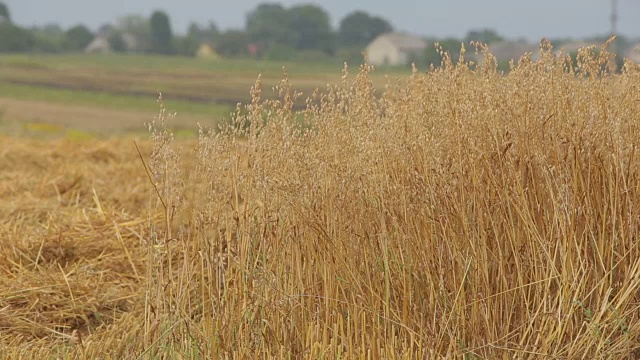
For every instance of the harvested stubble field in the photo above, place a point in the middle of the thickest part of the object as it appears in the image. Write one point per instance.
(462, 214)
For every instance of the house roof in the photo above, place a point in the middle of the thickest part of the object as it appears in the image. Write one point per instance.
(99, 44)
(404, 41)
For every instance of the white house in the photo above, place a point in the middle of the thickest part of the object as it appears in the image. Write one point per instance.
(394, 48)
(100, 44)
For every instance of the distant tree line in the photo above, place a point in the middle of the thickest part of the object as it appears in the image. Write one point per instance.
(271, 31)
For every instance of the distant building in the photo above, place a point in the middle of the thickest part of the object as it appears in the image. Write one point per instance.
(394, 49)
(206, 51)
(99, 45)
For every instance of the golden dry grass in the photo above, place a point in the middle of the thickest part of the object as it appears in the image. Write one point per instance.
(462, 214)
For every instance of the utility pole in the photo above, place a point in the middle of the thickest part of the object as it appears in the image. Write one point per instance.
(614, 17)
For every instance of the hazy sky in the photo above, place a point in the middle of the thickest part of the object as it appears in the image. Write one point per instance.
(531, 19)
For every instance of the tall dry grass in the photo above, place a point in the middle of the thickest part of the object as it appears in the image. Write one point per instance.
(461, 214)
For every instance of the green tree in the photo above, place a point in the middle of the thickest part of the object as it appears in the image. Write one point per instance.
(203, 34)
(138, 28)
(4, 12)
(116, 42)
(486, 36)
(232, 43)
(211, 32)
(431, 55)
(311, 27)
(353, 55)
(196, 35)
(358, 29)
(268, 25)
(186, 45)
(161, 34)
(15, 39)
(78, 37)
(49, 38)
(194, 30)
(105, 29)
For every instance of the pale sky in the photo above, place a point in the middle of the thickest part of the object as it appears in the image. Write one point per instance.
(513, 19)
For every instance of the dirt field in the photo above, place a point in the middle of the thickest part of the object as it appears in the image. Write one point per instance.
(103, 95)
(16, 114)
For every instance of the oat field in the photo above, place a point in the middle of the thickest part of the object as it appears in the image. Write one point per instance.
(461, 213)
